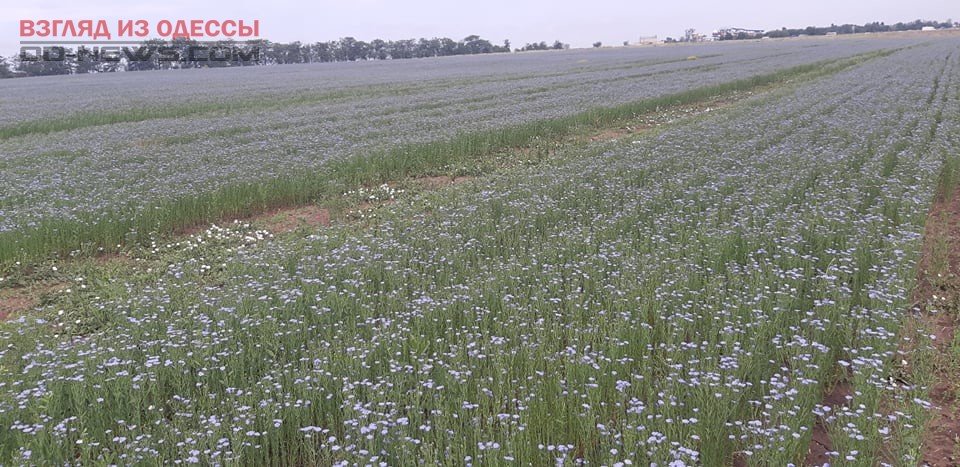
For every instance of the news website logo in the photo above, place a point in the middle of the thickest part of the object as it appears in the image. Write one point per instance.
(194, 41)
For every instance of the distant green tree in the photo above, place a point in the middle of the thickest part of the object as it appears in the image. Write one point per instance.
(598, 44)
(475, 45)
(183, 45)
(322, 52)
(541, 46)
(219, 54)
(143, 57)
(5, 68)
(405, 48)
(342, 49)
(85, 63)
(447, 47)
(378, 49)
(50, 63)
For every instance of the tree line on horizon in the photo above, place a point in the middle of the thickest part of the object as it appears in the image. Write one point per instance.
(346, 49)
(848, 29)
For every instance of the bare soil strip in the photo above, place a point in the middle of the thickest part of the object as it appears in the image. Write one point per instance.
(938, 299)
(289, 219)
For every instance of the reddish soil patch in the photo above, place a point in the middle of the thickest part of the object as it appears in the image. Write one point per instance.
(290, 219)
(939, 275)
(15, 303)
(18, 300)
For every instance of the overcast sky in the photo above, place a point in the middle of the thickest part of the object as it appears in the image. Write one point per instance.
(579, 23)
